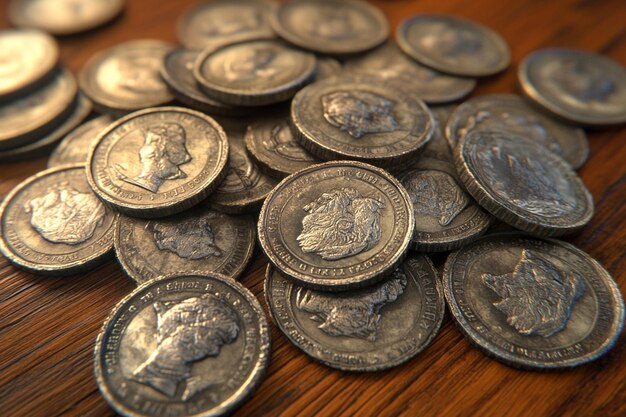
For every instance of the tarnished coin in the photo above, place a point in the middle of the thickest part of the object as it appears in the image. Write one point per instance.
(197, 240)
(158, 162)
(370, 329)
(26, 57)
(453, 45)
(364, 118)
(26, 119)
(579, 86)
(254, 73)
(63, 17)
(52, 223)
(533, 303)
(336, 226)
(214, 23)
(75, 145)
(187, 345)
(327, 67)
(522, 183)
(390, 63)
(512, 114)
(332, 27)
(126, 77)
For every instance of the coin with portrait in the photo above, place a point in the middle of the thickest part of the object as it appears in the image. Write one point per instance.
(74, 147)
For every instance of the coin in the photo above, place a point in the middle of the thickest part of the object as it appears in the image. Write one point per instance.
(578, 86)
(26, 57)
(369, 329)
(26, 119)
(511, 113)
(158, 162)
(332, 27)
(522, 183)
(337, 226)
(533, 303)
(75, 145)
(186, 345)
(254, 73)
(63, 17)
(52, 223)
(431, 86)
(363, 118)
(224, 21)
(453, 45)
(327, 67)
(126, 77)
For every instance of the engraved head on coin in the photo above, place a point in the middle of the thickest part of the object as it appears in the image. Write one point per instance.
(281, 141)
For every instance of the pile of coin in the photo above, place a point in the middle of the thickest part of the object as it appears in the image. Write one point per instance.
(346, 146)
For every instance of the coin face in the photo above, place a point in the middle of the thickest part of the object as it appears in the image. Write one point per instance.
(336, 226)
(225, 21)
(126, 77)
(158, 162)
(362, 118)
(370, 329)
(532, 302)
(26, 56)
(331, 27)
(75, 145)
(63, 17)
(254, 73)
(509, 113)
(431, 86)
(579, 86)
(193, 345)
(52, 223)
(522, 183)
(452, 45)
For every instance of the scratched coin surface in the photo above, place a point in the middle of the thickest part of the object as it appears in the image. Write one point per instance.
(370, 329)
(453, 45)
(331, 27)
(578, 86)
(183, 345)
(126, 77)
(52, 223)
(522, 183)
(432, 86)
(74, 148)
(511, 113)
(533, 303)
(158, 162)
(337, 226)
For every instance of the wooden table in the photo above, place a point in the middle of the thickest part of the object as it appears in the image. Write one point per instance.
(48, 325)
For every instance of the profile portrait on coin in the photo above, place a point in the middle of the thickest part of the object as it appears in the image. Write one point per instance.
(190, 239)
(581, 82)
(282, 142)
(242, 172)
(251, 64)
(452, 41)
(139, 74)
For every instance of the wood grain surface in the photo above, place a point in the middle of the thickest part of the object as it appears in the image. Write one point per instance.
(48, 325)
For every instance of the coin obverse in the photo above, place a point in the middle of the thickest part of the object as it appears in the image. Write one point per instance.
(453, 46)
(337, 226)
(370, 329)
(522, 183)
(578, 86)
(52, 223)
(75, 145)
(158, 162)
(198, 240)
(533, 303)
(186, 345)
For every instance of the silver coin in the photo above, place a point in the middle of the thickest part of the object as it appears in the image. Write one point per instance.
(52, 223)
(254, 73)
(186, 345)
(370, 329)
(533, 303)
(74, 148)
(332, 27)
(158, 162)
(511, 113)
(63, 17)
(578, 86)
(363, 118)
(431, 86)
(522, 183)
(126, 77)
(453, 45)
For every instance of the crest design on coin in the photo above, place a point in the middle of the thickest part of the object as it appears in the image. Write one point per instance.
(190, 238)
(282, 142)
